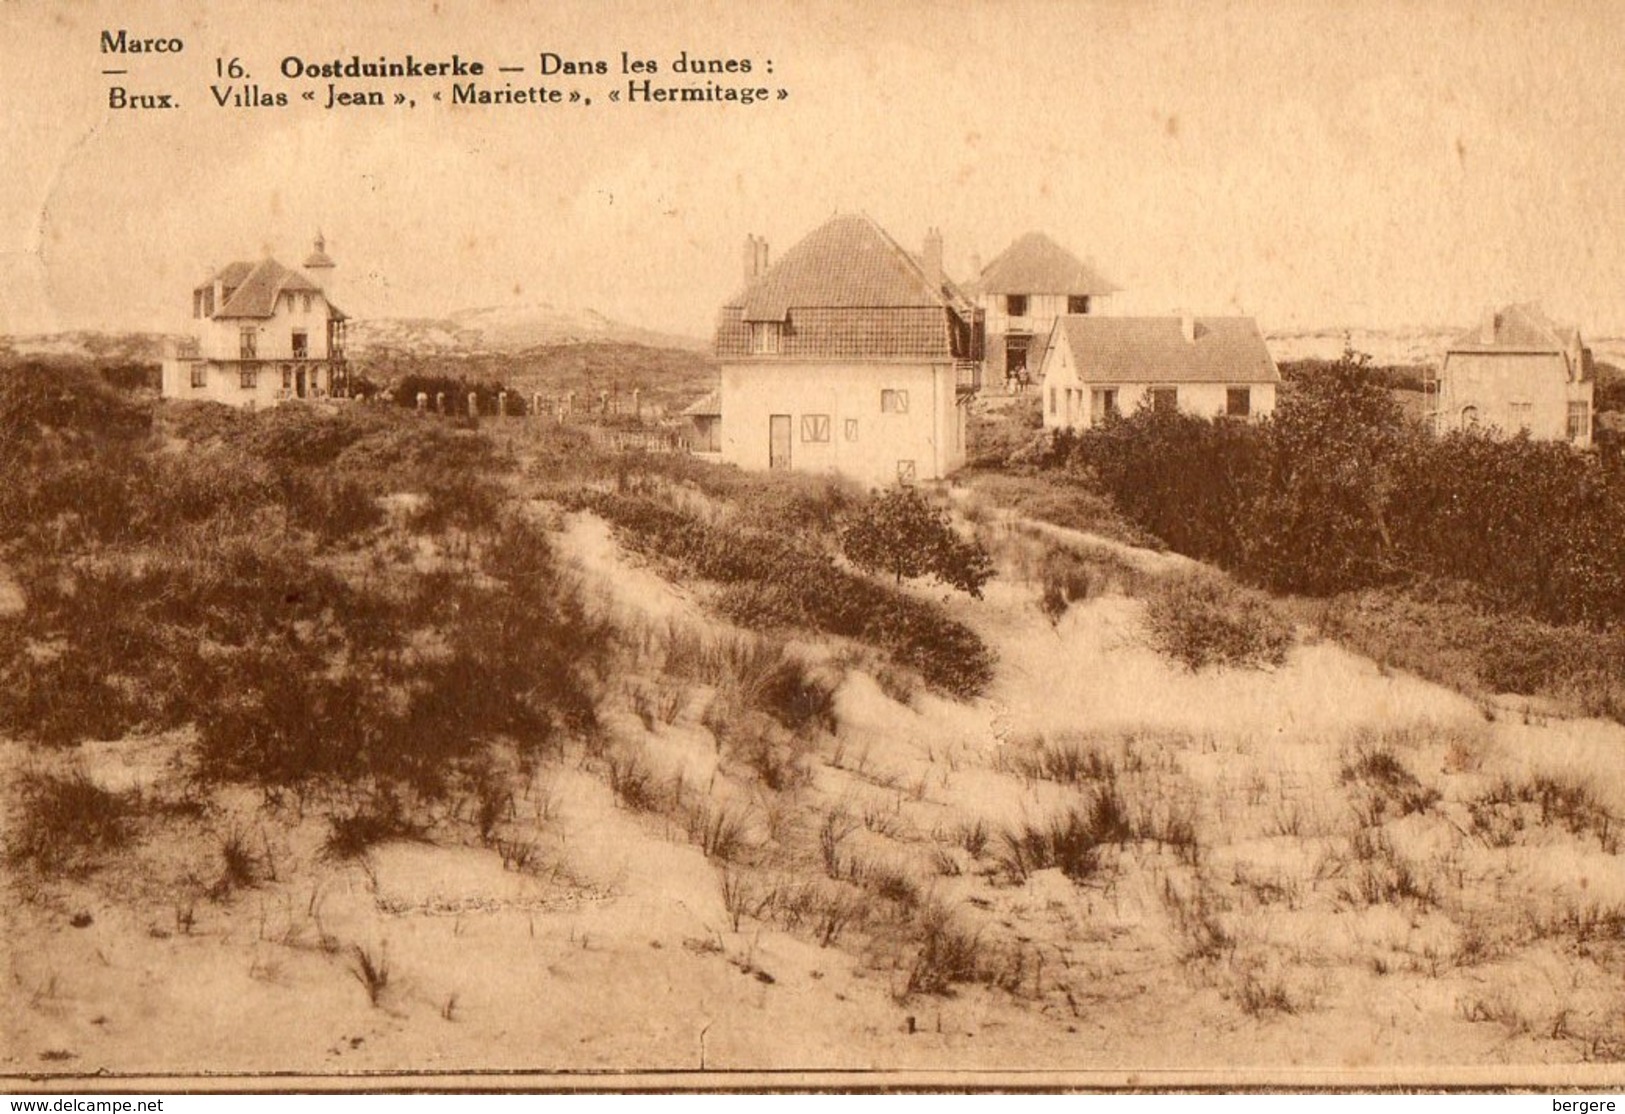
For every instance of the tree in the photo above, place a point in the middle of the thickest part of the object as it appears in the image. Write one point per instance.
(896, 531)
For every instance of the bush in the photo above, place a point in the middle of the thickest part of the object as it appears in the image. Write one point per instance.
(897, 532)
(1201, 620)
(771, 581)
(949, 953)
(68, 823)
(1337, 492)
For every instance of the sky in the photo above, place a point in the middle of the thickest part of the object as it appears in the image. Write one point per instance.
(1312, 164)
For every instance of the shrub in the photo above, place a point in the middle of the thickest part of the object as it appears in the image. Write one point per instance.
(897, 532)
(1070, 761)
(381, 816)
(1393, 781)
(770, 581)
(949, 953)
(1202, 620)
(68, 823)
(1067, 842)
(633, 782)
(799, 697)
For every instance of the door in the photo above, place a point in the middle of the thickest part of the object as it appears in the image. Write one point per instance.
(299, 383)
(778, 441)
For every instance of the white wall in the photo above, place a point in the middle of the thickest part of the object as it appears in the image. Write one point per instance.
(220, 339)
(1494, 382)
(931, 433)
(1072, 397)
(222, 382)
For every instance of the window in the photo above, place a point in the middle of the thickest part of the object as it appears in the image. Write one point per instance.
(306, 302)
(851, 429)
(287, 378)
(1077, 303)
(197, 303)
(1165, 400)
(905, 471)
(1102, 404)
(200, 375)
(301, 345)
(764, 338)
(1521, 414)
(1579, 420)
(246, 343)
(1052, 400)
(1238, 402)
(815, 427)
(248, 378)
(893, 402)
(1015, 305)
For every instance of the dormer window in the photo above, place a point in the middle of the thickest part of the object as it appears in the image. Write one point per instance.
(1077, 303)
(1015, 305)
(306, 303)
(765, 337)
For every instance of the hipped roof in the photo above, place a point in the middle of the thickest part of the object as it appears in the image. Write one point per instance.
(1035, 264)
(847, 262)
(252, 289)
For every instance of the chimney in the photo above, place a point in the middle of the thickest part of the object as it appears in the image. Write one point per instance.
(753, 259)
(931, 259)
(1488, 325)
(1187, 327)
(761, 256)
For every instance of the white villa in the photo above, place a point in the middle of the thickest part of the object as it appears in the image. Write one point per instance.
(262, 334)
(1516, 372)
(1206, 366)
(848, 355)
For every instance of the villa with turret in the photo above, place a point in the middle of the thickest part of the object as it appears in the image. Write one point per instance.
(263, 334)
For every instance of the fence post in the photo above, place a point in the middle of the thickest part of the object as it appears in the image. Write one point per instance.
(473, 404)
(502, 404)
(423, 401)
(637, 403)
(440, 401)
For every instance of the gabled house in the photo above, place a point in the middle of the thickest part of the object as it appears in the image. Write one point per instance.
(1022, 292)
(848, 355)
(1207, 366)
(1518, 371)
(262, 333)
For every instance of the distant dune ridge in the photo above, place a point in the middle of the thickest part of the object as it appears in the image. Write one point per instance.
(505, 329)
(1399, 347)
(495, 330)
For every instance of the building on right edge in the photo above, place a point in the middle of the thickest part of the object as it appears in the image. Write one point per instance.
(1095, 367)
(1517, 371)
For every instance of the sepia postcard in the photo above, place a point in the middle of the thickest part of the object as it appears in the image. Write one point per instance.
(781, 545)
